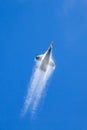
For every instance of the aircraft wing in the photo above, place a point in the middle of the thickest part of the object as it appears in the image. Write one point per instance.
(51, 63)
(39, 57)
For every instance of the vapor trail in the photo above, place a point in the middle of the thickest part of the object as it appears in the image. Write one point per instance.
(36, 88)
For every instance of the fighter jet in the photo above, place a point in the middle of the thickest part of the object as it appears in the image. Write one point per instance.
(46, 59)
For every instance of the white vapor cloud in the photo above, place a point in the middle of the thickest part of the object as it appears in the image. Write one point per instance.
(70, 5)
(36, 88)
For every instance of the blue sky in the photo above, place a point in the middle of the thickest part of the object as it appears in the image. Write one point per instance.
(26, 29)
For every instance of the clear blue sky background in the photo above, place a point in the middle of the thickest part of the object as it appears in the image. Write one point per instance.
(26, 29)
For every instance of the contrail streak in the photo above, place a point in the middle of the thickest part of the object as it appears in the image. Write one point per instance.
(36, 88)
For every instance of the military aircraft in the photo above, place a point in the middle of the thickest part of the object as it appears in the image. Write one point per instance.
(46, 59)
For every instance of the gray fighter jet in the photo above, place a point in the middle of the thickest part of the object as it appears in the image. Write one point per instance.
(46, 59)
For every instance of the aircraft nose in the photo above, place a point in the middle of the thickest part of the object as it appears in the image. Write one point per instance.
(52, 43)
